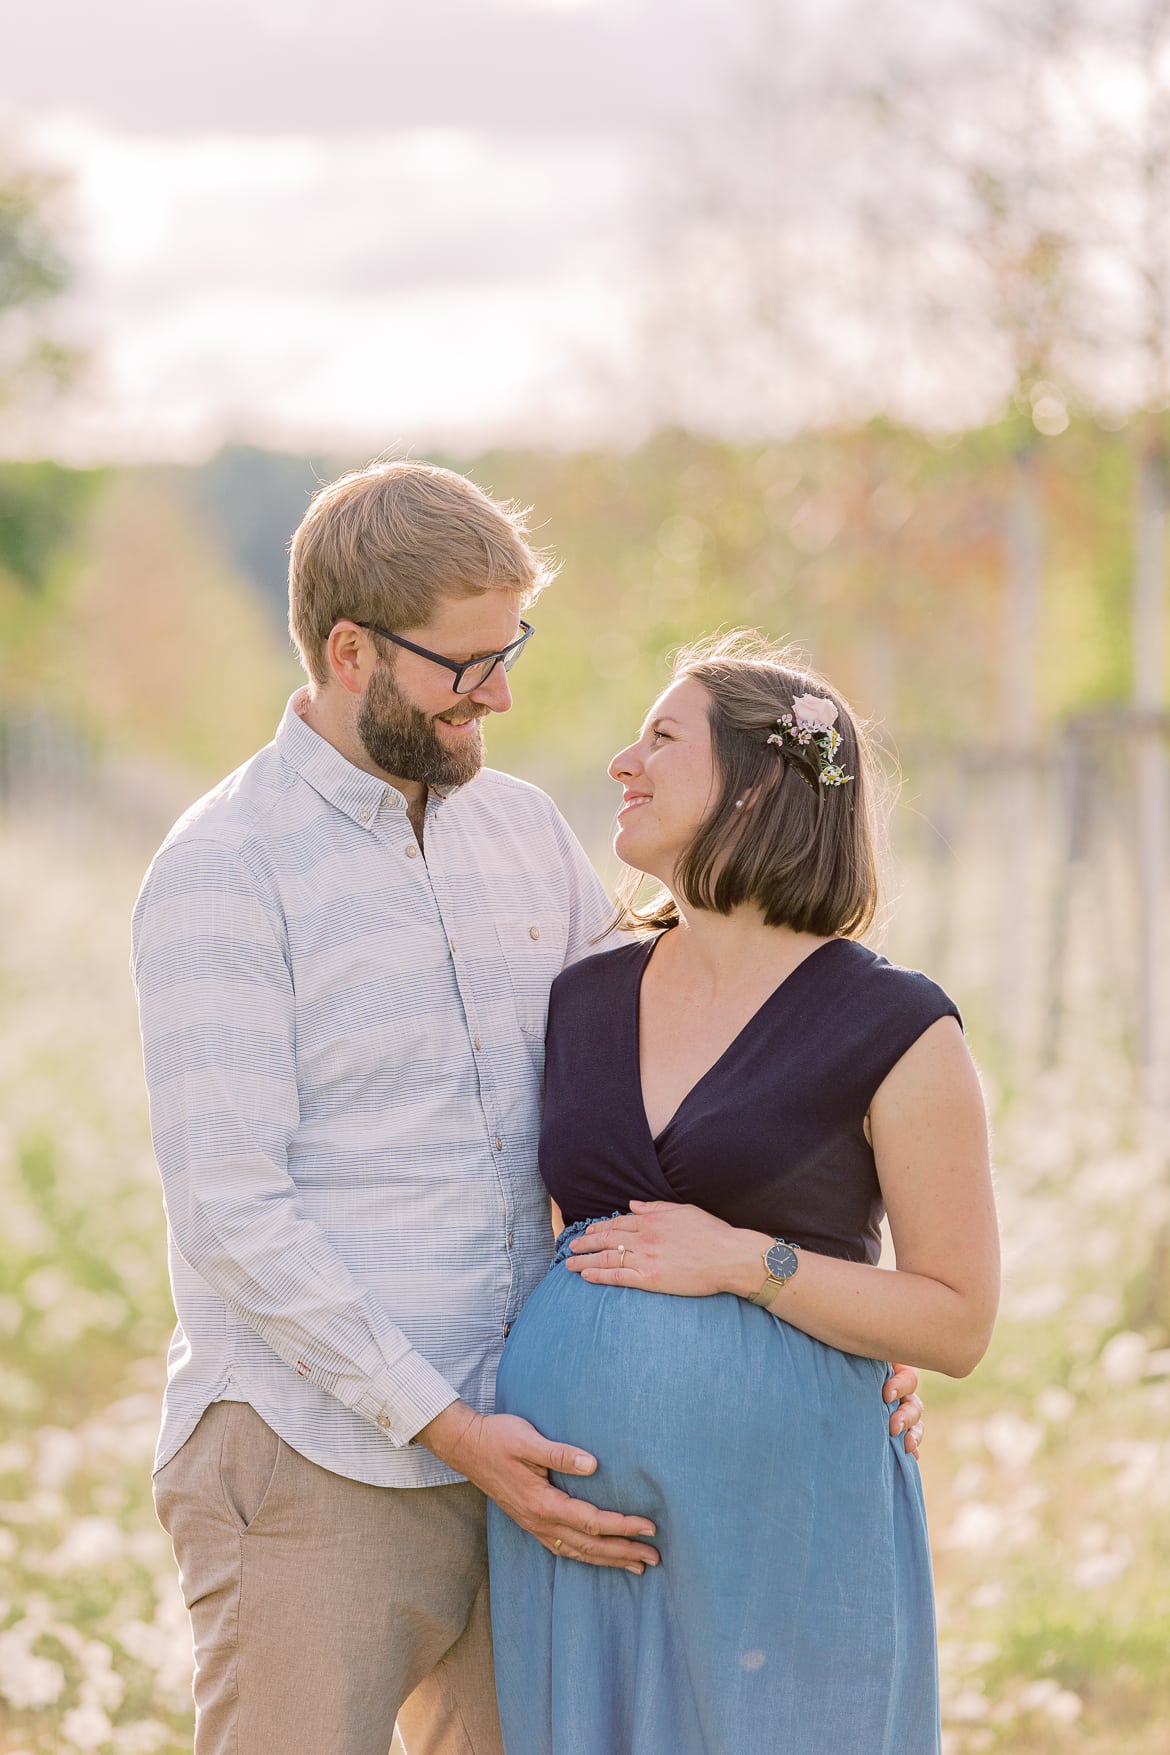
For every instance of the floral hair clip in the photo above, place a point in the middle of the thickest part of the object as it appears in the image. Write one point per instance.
(811, 726)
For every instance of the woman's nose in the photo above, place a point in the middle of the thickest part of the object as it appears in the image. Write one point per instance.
(625, 763)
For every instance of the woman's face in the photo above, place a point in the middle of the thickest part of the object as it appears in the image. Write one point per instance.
(668, 781)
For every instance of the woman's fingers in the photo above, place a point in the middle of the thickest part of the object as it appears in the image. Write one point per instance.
(602, 1231)
(610, 1267)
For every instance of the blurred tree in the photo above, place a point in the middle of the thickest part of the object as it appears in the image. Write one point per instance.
(39, 503)
(33, 272)
(255, 500)
(1150, 58)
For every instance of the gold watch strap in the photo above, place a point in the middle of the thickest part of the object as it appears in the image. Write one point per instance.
(767, 1292)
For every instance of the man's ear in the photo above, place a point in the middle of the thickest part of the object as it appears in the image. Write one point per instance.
(349, 653)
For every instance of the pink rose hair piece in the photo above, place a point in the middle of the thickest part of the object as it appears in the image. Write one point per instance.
(811, 727)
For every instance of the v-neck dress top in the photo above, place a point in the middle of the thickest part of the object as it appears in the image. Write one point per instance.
(793, 1609)
(772, 1136)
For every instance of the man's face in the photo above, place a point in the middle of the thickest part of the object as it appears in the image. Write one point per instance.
(411, 722)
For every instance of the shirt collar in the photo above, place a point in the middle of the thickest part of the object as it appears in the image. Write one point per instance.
(327, 771)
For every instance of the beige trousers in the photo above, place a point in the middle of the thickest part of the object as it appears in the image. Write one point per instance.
(321, 1608)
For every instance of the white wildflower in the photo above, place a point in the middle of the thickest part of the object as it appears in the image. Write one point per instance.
(26, 1680)
(89, 1542)
(86, 1727)
(1123, 1357)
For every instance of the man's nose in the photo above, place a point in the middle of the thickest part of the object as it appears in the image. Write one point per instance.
(494, 691)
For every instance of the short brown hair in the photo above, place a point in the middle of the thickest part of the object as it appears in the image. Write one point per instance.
(803, 853)
(384, 543)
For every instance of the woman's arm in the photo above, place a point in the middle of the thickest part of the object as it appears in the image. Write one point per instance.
(929, 1134)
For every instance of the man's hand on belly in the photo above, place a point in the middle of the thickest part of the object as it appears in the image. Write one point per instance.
(510, 1461)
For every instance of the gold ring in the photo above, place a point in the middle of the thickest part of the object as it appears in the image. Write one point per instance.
(558, 1544)
(621, 1255)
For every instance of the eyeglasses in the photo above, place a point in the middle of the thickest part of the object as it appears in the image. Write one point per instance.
(472, 673)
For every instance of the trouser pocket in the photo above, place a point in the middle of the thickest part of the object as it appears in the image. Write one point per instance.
(249, 1458)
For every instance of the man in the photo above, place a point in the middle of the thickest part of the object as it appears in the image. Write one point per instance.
(342, 958)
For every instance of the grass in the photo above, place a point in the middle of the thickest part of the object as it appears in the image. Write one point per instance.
(1048, 1472)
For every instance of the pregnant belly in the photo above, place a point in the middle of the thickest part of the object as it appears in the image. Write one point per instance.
(680, 1395)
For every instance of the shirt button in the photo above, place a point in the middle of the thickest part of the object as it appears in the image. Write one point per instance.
(509, 1240)
(534, 932)
(412, 851)
(499, 1144)
(475, 1043)
(451, 946)
(363, 816)
(507, 1329)
(384, 1422)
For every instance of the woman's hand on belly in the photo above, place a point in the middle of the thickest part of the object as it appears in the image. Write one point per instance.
(663, 1247)
(660, 1246)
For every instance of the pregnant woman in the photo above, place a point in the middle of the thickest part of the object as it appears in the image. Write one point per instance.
(732, 1100)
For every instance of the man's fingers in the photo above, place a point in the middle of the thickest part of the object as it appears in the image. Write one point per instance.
(630, 1556)
(589, 1523)
(902, 1383)
(566, 1459)
(907, 1414)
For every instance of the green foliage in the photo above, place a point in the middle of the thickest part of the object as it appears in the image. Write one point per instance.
(880, 551)
(42, 509)
(32, 268)
(33, 272)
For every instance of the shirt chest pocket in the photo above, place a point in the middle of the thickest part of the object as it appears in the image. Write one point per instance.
(534, 955)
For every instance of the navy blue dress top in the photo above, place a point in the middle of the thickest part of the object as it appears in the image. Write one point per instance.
(772, 1136)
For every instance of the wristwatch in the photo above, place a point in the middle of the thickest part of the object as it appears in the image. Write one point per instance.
(781, 1262)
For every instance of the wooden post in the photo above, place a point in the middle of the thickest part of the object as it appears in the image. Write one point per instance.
(1152, 770)
(1023, 579)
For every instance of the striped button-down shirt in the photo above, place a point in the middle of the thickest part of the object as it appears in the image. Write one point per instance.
(343, 1037)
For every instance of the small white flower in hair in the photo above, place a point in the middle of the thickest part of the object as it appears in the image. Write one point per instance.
(815, 710)
(809, 727)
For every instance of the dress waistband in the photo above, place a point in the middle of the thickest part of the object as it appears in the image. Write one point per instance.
(575, 1230)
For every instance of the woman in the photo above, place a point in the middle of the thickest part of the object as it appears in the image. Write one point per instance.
(743, 1093)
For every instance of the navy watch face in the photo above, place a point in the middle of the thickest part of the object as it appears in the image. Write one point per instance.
(781, 1261)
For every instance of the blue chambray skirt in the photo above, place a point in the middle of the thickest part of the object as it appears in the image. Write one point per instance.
(793, 1609)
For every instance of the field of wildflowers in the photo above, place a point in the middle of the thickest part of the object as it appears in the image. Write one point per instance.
(1048, 1472)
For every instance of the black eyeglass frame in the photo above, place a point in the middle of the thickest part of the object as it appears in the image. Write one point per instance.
(507, 657)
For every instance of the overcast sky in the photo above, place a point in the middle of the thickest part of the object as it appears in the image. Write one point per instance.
(384, 224)
(370, 225)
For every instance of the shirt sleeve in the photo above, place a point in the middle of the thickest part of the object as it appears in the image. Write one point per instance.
(216, 1007)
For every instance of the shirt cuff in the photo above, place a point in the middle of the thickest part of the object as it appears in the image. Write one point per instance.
(406, 1399)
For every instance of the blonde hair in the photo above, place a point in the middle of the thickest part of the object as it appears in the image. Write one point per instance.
(805, 854)
(384, 543)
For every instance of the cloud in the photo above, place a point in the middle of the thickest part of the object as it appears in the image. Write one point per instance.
(369, 290)
(287, 67)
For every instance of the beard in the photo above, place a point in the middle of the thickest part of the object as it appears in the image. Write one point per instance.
(403, 742)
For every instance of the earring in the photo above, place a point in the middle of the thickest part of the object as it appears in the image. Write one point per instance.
(739, 804)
